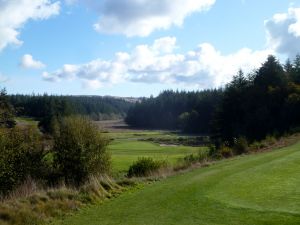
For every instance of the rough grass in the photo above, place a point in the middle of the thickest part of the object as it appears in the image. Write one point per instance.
(30, 206)
(252, 189)
(26, 121)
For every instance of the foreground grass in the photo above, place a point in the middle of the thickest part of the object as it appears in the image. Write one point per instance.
(125, 152)
(29, 205)
(254, 189)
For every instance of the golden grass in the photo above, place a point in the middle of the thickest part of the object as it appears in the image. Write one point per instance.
(30, 205)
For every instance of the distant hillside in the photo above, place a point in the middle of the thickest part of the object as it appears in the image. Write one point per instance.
(97, 107)
(127, 99)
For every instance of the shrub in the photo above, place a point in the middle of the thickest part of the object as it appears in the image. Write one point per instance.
(212, 152)
(6, 111)
(192, 158)
(225, 151)
(270, 140)
(295, 130)
(21, 156)
(80, 150)
(203, 155)
(145, 167)
(240, 145)
(255, 146)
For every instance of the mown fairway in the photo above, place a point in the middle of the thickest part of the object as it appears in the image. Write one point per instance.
(125, 152)
(256, 189)
(128, 145)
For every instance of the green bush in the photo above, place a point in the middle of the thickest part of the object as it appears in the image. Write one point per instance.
(190, 159)
(6, 111)
(80, 150)
(225, 151)
(212, 150)
(21, 157)
(203, 155)
(255, 146)
(270, 140)
(144, 167)
(240, 145)
(194, 158)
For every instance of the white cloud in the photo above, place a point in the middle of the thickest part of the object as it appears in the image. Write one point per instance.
(27, 62)
(71, 2)
(159, 63)
(91, 84)
(208, 67)
(283, 32)
(15, 13)
(50, 77)
(142, 17)
(3, 78)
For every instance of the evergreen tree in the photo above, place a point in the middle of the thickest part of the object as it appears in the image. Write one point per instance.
(6, 111)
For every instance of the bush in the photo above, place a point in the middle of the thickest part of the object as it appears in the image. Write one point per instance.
(80, 150)
(225, 151)
(6, 111)
(255, 146)
(21, 157)
(240, 145)
(270, 140)
(212, 150)
(203, 155)
(191, 159)
(200, 157)
(145, 167)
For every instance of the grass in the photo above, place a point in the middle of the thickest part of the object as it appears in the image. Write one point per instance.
(124, 152)
(30, 205)
(254, 189)
(27, 121)
(24, 122)
(127, 146)
(141, 134)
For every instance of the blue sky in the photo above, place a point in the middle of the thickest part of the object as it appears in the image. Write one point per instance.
(139, 47)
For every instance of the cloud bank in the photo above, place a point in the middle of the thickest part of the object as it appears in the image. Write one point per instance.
(160, 62)
(283, 32)
(204, 66)
(142, 17)
(15, 13)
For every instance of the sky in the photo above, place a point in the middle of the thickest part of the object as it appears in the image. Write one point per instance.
(139, 47)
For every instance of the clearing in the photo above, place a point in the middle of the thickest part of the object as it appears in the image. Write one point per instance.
(130, 144)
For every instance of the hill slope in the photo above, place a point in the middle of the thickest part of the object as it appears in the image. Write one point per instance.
(256, 189)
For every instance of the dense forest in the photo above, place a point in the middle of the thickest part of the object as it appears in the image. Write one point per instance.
(189, 111)
(45, 108)
(264, 102)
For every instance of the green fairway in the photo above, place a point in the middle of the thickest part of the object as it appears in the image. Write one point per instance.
(125, 152)
(248, 190)
(26, 121)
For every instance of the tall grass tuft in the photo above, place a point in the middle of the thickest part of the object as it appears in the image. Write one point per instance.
(30, 205)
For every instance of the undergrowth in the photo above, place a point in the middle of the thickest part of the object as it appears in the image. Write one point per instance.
(29, 205)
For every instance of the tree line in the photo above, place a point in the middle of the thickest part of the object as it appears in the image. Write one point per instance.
(264, 102)
(47, 108)
(189, 111)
